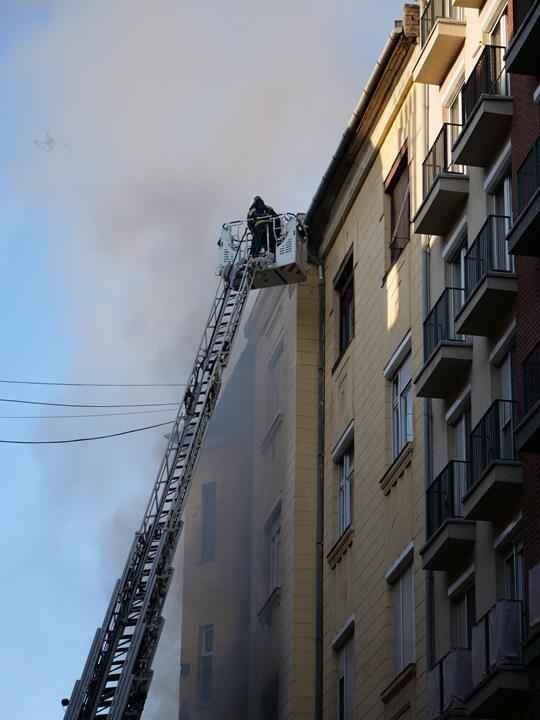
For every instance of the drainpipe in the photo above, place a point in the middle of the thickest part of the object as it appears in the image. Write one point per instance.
(319, 560)
(427, 467)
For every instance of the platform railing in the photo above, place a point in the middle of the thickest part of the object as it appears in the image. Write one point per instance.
(487, 78)
(492, 439)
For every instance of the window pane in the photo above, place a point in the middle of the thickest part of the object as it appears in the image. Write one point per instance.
(346, 681)
(398, 627)
(408, 616)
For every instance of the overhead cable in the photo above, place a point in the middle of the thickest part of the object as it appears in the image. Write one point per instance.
(51, 404)
(64, 384)
(83, 439)
(82, 415)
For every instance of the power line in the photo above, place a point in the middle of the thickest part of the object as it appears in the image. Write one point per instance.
(63, 384)
(84, 415)
(50, 404)
(84, 439)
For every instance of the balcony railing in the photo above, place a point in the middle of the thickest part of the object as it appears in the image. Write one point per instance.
(521, 9)
(488, 253)
(492, 440)
(531, 379)
(487, 78)
(439, 324)
(445, 495)
(496, 639)
(434, 10)
(528, 176)
(439, 157)
(449, 683)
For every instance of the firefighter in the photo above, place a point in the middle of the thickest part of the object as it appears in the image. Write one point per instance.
(260, 222)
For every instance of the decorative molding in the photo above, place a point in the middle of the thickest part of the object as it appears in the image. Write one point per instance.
(455, 241)
(460, 585)
(343, 443)
(398, 357)
(407, 674)
(404, 559)
(398, 467)
(276, 422)
(458, 407)
(340, 547)
(503, 345)
(344, 633)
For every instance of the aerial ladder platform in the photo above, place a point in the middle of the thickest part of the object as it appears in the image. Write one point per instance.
(116, 677)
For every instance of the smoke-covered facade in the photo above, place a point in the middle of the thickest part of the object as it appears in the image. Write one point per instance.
(248, 627)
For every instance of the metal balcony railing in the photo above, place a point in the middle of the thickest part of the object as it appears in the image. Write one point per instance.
(439, 157)
(434, 10)
(449, 683)
(439, 324)
(492, 439)
(488, 253)
(445, 495)
(487, 78)
(531, 379)
(521, 9)
(528, 176)
(496, 639)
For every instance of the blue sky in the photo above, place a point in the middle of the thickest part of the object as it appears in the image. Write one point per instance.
(174, 120)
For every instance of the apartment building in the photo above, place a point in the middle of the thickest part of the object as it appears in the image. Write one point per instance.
(523, 64)
(359, 222)
(473, 553)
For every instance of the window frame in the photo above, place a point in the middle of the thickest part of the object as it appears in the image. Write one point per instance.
(344, 287)
(401, 633)
(464, 606)
(345, 483)
(273, 551)
(345, 680)
(206, 664)
(402, 406)
(399, 169)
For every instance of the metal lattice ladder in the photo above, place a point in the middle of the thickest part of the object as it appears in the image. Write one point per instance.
(117, 675)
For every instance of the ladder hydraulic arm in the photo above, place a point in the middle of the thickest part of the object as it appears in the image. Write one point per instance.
(117, 675)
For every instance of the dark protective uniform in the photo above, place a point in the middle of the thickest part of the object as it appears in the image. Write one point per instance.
(260, 223)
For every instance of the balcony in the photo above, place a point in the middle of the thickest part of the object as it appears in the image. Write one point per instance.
(531, 643)
(447, 355)
(486, 110)
(442, 34)
(523, 238)
(496, 478)
(475, 4)
(448, 533)
(528, 430)
(500, 682)
(445, 185)
(522, 54)
(490, 282)
(448, 684)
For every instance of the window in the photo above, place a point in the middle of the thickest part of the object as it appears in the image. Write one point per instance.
(275, 382)
(513, 573)
(346, 472)
(206, 656)
(454, 109)
(402, 421)
(270, 700)
(502, 207)
(462, 456)
(344, 286)
(404, 620)
(208, 522)
(397, 188)
(273, 559)
(465, 618)
(506, 390)
(346, 681)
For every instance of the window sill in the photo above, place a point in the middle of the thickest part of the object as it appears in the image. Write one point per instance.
(340, 547)
(397, 468)
(276, 422)
(271, 602)
(343, 353)
(399, 682)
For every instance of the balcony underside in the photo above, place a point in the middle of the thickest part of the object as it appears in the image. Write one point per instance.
(485, 131)
(527, 433)
(475, 4)
(482, 310)
(498, 487)
(502, 695)
(524, 236)
(522, 55)
(531, 649)
(445, 545)
(443, 368)
(442, 205)
(444, 43)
